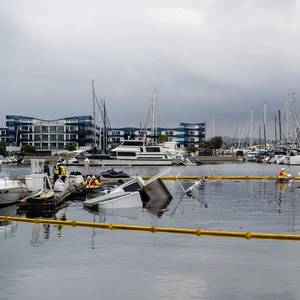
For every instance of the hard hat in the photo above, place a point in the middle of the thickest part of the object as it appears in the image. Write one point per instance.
(89, 177)
(93, 177)
(282, 169)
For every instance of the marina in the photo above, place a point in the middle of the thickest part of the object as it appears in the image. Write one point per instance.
(233, 205)
(150, 150)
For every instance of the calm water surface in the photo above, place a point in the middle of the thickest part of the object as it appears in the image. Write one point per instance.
(46, 262)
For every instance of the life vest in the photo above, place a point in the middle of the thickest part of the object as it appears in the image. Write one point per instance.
(56, 170)
(92, 182)
(282, 173)
(62, 171)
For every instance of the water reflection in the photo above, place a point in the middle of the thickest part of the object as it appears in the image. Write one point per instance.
(7, 228)
(42, 232)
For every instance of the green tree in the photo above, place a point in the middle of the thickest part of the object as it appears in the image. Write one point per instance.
(191, 148)
(27, 149)
(71, 146)
(216, 142)
(163, 138)
(2, 148)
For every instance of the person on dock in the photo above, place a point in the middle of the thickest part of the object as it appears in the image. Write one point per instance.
(46, 168)
(55, 172)
(62, 172)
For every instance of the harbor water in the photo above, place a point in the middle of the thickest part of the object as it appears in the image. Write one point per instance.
(46, 261)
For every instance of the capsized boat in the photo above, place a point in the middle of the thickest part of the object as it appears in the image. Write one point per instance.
(134, 193)
(123, 196)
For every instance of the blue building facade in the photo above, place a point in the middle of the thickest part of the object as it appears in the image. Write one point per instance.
(3, 137)
(48, 134)
(55, 134)
(184, 135)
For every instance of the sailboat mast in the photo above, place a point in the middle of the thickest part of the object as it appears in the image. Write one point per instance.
(265, 121)
(275, 131)
(251, 126)
(104, 128)
(287, 119)
(94, 113)
(279, 124)
(154, 115)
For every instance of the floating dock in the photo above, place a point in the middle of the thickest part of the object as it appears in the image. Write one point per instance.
(54, 201)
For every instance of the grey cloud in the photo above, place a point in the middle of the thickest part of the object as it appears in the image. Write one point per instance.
(207, 58)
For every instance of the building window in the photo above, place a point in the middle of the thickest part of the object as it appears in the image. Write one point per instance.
(44, 146)
(61, 137)
(37, 145)
(45, 137)
(192, 132)
(44, 129)
(37, 137)
(52, 137)
(60, 129)
(37, 129)
(53, 145)
(53, 129)
(61, 146)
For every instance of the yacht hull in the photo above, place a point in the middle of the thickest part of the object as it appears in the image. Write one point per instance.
(127, 201)
(125, 162)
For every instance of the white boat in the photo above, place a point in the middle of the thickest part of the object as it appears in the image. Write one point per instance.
(133, 193)
(135, 153)
(126, 200)
(124, 196)
(11, 191)
(139, 153)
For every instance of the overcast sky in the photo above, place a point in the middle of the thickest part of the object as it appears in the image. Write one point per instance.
(208, 59)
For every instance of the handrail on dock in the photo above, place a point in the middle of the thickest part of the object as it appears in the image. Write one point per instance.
(154, 229)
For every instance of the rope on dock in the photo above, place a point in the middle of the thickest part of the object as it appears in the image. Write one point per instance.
(228, 177)
(153, 229)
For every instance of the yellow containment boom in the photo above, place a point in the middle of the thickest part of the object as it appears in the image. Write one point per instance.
(229, 177)
(153, 229)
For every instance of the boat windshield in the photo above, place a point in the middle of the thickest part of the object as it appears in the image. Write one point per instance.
(132, 143)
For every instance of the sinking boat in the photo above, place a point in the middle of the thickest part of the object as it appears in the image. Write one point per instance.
(134, 193)
(123, 196)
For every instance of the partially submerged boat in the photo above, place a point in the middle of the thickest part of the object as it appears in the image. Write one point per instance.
(134, 193)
